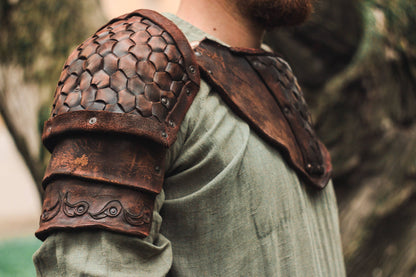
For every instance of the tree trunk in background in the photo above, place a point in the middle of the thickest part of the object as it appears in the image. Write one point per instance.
(36, 37)
(357, 63)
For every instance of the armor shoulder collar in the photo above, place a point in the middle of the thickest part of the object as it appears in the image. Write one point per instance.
(261, 89)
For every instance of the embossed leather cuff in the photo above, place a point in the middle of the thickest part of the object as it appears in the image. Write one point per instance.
(73, 204)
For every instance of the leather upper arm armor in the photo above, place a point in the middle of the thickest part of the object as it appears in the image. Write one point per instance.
(120, 100)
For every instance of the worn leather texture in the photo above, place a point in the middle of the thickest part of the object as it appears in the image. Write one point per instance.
(73, 204)
(131, 66)
(118, 106)
(261, 88)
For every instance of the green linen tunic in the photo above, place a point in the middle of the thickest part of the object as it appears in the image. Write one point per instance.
(231, 206)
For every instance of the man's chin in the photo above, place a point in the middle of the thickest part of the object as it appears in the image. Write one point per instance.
(277, 13)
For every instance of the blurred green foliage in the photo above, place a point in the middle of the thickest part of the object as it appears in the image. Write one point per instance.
(16, 257)
(394, 22)
(39, 34)
(401, 19)
(36, 36)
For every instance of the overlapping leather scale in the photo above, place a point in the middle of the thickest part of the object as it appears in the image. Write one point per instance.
(130, 66)
(291, 89)
(302, 125)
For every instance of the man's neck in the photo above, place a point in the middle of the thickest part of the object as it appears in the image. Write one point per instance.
(222, 21)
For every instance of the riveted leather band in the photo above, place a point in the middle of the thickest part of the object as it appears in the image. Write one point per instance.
(261, 88)
(113, 159)
(118, 106)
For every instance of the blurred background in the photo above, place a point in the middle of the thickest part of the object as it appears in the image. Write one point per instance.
(356, 62)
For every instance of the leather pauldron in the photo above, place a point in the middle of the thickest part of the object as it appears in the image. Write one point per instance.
(261, 88)
(120, 100)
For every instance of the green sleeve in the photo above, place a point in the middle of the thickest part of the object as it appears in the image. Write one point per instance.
(103, 253)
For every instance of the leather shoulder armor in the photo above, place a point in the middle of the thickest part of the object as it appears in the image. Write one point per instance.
(138, 66)
(120, 100)
(261, 88)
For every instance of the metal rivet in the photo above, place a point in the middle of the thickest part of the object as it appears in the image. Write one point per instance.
(258, 64)
(113, 211)
(164, 100)
(157, 168)
(311, 169)
(188, 91)
(164, 134)
(192, 69)
(209, 71)
(198, 54)
(92, 120)
(171, 123)
(80, 209)
(286, 110)
(49, 129)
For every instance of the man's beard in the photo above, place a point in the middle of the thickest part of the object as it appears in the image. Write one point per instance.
(275, 13)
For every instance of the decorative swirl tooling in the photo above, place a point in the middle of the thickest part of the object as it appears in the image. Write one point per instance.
(111, 209)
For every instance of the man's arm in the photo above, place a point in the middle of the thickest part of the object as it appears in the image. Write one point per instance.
(103, 253)
(118, 106)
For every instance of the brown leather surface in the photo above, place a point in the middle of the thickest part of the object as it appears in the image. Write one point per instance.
(119, 103)
(130, 66)
(262, 90)
(74, 204)
(114, 159)
(99, 170)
